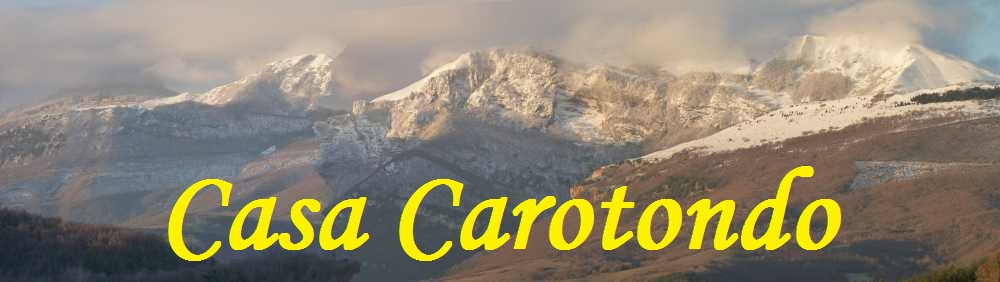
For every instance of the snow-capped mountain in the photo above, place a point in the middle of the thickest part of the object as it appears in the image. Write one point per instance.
(841, 82)
(857, 116)
(813, 68)
(83, 152)
(286, 86)
(523, 89)
(509, 119)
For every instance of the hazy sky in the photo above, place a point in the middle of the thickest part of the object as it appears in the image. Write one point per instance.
(382, 44)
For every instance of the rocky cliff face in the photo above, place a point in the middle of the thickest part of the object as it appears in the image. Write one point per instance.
(525, 90)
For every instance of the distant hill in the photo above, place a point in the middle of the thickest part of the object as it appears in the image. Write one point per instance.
(46, 249)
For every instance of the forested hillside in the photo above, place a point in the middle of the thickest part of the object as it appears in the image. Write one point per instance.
(45, 249)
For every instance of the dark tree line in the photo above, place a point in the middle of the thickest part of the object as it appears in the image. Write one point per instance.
(978, 93)
(34, 248)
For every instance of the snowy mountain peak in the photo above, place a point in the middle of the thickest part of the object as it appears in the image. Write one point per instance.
(516, 62)
(869, 68)
(304, 76)
(931, 69)
(317, 63)
(295, 81)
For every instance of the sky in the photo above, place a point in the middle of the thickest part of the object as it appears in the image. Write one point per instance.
(985, 40)
(54, 46)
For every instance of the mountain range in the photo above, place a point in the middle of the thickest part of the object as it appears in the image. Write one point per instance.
(522, 124)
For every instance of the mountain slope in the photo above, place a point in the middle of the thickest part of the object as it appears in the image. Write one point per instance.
(862, 97)
(818, 117)
(911, 201)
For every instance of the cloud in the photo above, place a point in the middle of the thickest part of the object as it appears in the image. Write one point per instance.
(385, 44)
(53, 49)
(894, 23)
(991, 62)
(987, 44)
(680, 43)
(870, 20)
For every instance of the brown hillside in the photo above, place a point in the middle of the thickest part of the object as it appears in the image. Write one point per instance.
(933, 201)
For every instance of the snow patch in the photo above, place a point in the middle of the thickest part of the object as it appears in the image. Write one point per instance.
(811, 118)
(875, 173)
(180, 98)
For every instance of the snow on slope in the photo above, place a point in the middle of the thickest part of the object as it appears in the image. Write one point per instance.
(179, 98)
(809, 118)
(929, 69)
